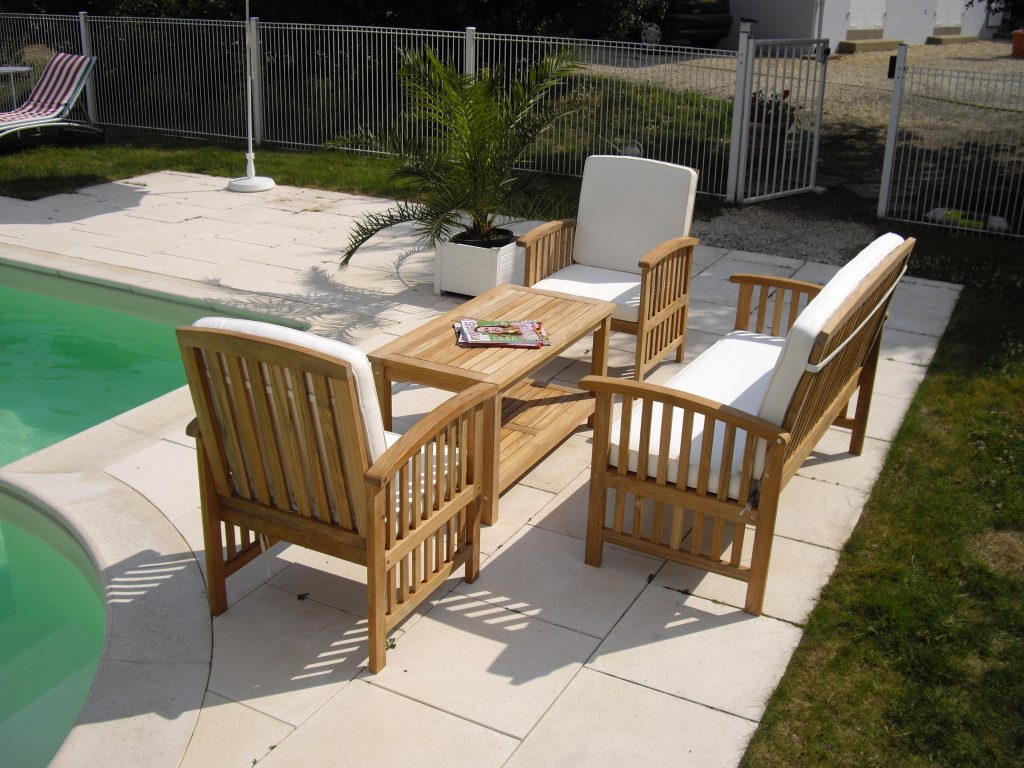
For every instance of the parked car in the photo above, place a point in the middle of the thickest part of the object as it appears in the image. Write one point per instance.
(701, 23)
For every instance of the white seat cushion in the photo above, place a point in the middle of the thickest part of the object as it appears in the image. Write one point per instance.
(801, 336)
(623, 288)
(629, 205)
(734, 371)
(369, 408)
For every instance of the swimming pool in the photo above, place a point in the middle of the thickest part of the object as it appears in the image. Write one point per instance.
(52, 622)
(67, 365)
(72, 354)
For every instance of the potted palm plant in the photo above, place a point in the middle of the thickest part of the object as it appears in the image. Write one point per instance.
(464, 161)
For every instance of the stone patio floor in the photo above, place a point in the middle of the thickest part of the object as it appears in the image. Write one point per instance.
(542, 661)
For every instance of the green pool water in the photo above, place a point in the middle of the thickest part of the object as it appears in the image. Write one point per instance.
(71, 356)
(51, 634)
(65, 366)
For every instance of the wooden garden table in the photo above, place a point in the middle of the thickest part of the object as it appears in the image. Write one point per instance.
(528, 418)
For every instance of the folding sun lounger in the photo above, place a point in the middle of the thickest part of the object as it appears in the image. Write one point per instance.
(51, 100)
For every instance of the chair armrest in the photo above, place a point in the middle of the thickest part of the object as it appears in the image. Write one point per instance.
(664, 302)
(467, 404)
(548, 248)
(778, 302)
(192, 430)
(651, 435)
(674, 398)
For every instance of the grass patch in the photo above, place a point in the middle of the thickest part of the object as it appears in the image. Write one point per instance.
(915, 654)
(33, 172)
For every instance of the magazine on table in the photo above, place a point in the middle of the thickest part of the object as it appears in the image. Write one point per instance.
(528, 334)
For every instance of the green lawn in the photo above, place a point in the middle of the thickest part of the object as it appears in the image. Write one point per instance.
(915, 654)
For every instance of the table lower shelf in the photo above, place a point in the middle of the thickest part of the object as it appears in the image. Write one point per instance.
(535, 418)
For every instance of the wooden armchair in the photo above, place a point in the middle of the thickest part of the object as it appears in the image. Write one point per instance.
(628, 245)
(691, 470)
(291, 446)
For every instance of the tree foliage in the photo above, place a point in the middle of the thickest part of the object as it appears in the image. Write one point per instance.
(574, 18)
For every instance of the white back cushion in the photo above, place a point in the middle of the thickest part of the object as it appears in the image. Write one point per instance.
(369, 408)
(628, 205)
(812, 319)
(734, 371)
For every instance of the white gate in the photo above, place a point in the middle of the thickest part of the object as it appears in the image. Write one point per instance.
(780, 92)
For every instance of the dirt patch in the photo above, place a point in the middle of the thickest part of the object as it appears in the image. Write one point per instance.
(1002, 551)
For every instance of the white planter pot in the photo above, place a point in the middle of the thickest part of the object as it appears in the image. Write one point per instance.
(472, 270)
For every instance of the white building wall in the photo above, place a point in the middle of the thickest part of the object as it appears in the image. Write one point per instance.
(910, 20)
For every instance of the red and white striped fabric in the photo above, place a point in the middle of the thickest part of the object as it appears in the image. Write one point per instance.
(54, 94)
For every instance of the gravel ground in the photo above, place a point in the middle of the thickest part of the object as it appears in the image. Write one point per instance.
(832, 226)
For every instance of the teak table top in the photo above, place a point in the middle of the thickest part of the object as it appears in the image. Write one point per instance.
(430, 356)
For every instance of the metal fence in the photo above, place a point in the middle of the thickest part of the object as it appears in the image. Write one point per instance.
(954, 155)
(317, 85)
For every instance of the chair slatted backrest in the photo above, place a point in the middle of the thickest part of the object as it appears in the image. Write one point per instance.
(280, 425)
(840, 350)
(60, 84)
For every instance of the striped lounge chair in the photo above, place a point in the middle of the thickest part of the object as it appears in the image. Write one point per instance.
(51, 100)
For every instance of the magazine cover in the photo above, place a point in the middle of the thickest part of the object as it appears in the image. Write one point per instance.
(500, 333)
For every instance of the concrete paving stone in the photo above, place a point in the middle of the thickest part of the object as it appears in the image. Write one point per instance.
(247, 215)
(561, 465)
(217, 251)
(886, 416)
(411, 402)
(359, 724)
(566, 512)
(232, 735)
(170, 213)
(713, 289)
(818, 512)
(705, 652)
(313, 221)
(516, 506)
(514, 665)
(163, 417)
(898, 379)
(603, 722)
(706, 255)
(83, 214)
(114, 190)
(201, 228)
(915, 348)
(93, 448)
(140, 243)
(333, 238)
(541, 573)
(717, 319)
(283, 656)
(796, 574)
(814, 272)
(138, 714)
(261, 234)
(114, 224)
(920, 308)
(832, 461)
(752, 263)
(165, 473)
(64, 202)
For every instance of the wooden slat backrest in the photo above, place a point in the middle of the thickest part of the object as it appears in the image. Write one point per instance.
(280, 424)
(840, 350)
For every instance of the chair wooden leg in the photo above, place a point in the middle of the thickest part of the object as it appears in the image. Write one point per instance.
(595, 521)
(865, 389)
(376, 583)
(473, 535)
(213, 539)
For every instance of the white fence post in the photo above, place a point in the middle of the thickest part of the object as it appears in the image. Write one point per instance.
(740, 115)
(255, 66)
(90, 92)
(897, 72)
(469, 53)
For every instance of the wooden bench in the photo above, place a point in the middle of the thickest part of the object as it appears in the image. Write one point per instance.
(741, 419)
